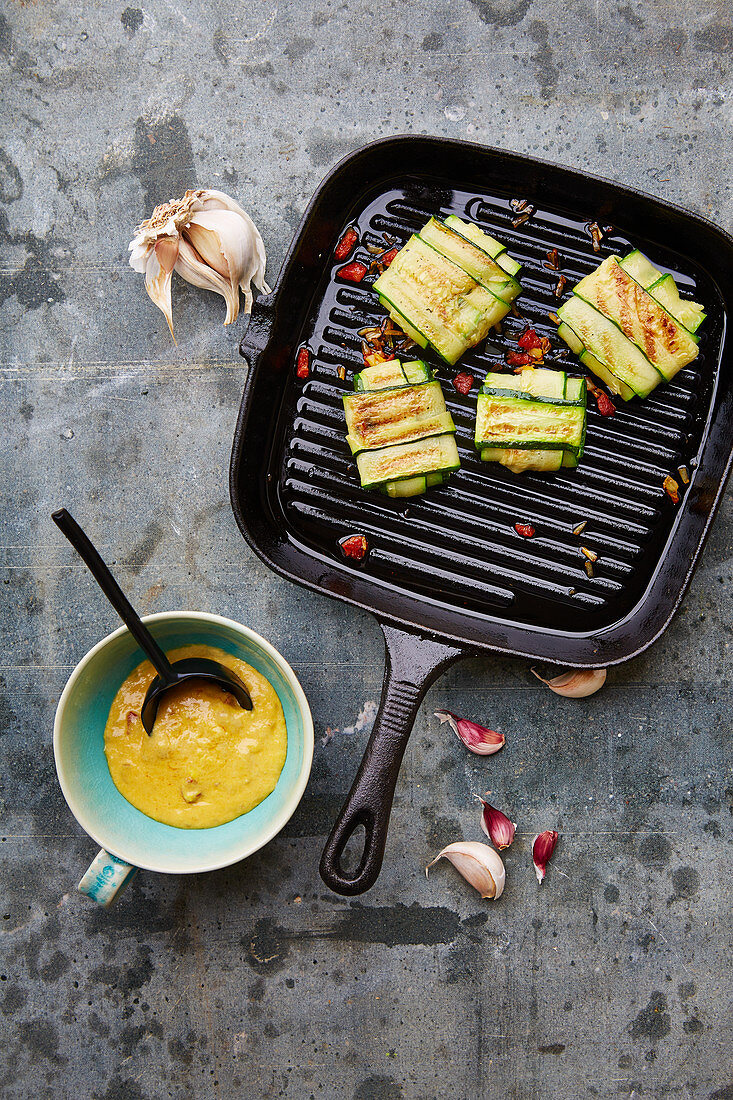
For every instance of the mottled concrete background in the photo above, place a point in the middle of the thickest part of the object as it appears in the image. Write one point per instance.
(613, 979)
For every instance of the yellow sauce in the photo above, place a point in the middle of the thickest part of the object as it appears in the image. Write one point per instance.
(207, 760)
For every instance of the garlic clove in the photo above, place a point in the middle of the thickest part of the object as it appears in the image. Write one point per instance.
(576, 684)
(477, 738)
(479, 864)
(217, 200)
(198, 273)
(159, 265)
(497, 826)
(542, 848)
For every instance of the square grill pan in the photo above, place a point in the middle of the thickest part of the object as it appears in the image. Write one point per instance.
(446, 573)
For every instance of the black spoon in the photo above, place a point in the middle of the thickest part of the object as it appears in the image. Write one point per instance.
(198, 668)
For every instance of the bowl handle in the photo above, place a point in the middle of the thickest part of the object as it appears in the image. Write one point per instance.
(106, 878)
(412, 662)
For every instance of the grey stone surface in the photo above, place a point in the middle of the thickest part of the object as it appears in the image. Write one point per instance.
(613, 978)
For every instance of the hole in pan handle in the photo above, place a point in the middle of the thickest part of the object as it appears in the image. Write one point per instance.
(412, 662)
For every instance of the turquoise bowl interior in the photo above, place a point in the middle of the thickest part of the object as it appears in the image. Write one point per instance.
(82, 766)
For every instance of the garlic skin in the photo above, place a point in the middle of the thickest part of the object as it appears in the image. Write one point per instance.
(479, 864)
(542, 848)
(210, 241)
(576, 684)
(497, 826)
(477, 738)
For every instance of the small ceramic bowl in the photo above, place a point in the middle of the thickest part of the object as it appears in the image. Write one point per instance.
(129, 839)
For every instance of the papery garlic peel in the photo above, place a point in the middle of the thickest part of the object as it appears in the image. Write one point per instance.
(477, 738)
(210, 241)
(542, 848)
(576, 684)
(497, 826)
(479, 864)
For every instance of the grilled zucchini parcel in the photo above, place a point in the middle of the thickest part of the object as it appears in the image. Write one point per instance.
(399, 429)
(629, 326)
(531, 421)
(448, 286)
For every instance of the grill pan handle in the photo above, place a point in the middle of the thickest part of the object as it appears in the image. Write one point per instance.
(412, 662)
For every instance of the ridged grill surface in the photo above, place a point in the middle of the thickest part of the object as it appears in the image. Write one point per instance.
(457, 545)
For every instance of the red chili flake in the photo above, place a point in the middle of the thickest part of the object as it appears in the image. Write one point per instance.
(346, 244)
(463, 382)
(526, 530)
(518, 359)
(302, 367)
(355, 547)
(387, 258)
(353, 272)
(606, 406)
(529, 339)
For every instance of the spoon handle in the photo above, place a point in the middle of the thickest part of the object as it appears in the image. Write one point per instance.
(68, 525)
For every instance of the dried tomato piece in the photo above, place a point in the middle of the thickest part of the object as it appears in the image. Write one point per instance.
(606, 406)
(526, 530)
(354, 547)
(386, 258)
(672, 489)
(529, 339)
(346, 245)
(353, 272)
(518, 358)
(302, 365)
(372, 358)
(463, 382)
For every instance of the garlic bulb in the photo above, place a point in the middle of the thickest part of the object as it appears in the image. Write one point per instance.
(210, 241)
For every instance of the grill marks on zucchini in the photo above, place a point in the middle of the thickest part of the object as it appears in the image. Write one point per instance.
(381, 417)
(448, 286)
(665, 343)
(533, 421)
(629, 326)
(399, 429)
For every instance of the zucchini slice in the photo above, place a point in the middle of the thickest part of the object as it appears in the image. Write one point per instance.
(471, 259)
(664, 342)
(377, 418)
(487, 244)
(421, 323)
(413, 486)
(437, 454)
(392, 373)
(419, 337)
(521, 423)
(615, 385)
(689, 314)
(664, 290)
(605, 340)
(640, 268)
(540, 382)
(520, 460)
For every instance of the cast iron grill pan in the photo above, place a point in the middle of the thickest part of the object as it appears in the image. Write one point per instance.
(448, 569)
